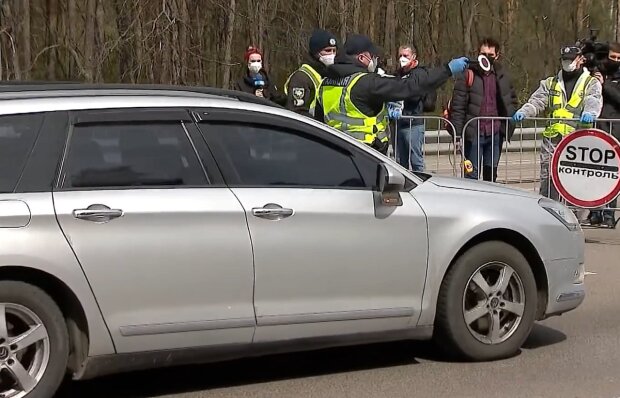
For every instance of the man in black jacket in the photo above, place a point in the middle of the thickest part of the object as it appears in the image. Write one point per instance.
(353, 98)
(410, 132)
(490, 94)
(302, 86)
(610, 79)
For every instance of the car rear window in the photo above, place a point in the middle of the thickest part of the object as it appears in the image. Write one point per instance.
(17, 136)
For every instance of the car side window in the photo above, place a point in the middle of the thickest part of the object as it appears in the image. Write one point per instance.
(260, 155)
(131, 155)
(17, 136)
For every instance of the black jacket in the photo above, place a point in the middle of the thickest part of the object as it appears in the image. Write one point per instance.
(611, 104)
(416, 106)
(467, 102)
(301, 89)
(270, 92)
(372, 91)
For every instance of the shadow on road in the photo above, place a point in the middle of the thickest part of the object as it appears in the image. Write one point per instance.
(543, 336)
(247, 371)
(187, 379)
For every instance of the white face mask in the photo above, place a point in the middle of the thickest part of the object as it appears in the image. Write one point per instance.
(255, 67)
(568, 65)
(372, 65)
(404, 61)
(327, 59)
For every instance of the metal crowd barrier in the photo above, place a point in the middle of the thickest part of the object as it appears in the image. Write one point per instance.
(520, 159)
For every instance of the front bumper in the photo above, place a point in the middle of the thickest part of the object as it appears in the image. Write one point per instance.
(566, 285)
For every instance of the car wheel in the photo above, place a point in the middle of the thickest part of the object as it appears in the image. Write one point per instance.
(34, 343)
(487, 303)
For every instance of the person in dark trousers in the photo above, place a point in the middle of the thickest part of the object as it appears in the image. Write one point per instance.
(610, 79)
(353, 97)
(410, 132)
(255, 79)
(302, 86)
(490, 94)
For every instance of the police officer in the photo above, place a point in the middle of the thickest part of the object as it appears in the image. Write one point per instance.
(571, 94)
(353, 97)
(303, 84)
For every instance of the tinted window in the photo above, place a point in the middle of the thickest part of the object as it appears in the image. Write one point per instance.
(259, 156)
(17, 136)
(122, 155)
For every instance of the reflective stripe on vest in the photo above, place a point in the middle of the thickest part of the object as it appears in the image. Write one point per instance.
(316, 79)
(340, 112)
(560, 109)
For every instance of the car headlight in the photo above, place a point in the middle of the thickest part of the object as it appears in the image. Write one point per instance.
(561, 213)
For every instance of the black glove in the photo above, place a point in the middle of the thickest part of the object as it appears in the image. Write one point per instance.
(380, 146)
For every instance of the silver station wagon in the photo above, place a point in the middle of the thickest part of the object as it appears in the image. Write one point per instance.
(147, 226)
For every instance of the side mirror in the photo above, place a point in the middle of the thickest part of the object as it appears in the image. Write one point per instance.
(391, 183)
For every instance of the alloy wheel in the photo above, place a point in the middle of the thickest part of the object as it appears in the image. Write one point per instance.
(493, 303)
(24, 350)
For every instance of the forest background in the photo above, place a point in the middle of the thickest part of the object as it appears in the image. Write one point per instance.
(201, 42)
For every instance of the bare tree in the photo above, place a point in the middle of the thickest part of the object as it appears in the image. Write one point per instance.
(89, 40)
(230, 31)
(24, 39)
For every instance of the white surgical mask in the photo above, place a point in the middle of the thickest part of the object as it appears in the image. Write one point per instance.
(255, 67)
(404, 61)
(327, 59)
(372, 65)
(568, 65)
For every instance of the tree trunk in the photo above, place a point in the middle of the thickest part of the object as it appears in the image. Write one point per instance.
(11, 37)
(436, 30)
(342, 17)
(100, 58)
(24, 40)
(579, 17)
(390, 32)
(52, 37)
(184, 39)
(138, 42)
(357, 5)
(230, 31)
(89, 40)
(371, 23)
(617, 24)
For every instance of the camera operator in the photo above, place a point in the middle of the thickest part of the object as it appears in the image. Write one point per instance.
(610, 79)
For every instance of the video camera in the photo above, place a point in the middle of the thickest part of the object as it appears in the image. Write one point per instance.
(595, 52)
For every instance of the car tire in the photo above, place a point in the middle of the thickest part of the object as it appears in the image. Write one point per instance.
(467, 310)
(22, 308)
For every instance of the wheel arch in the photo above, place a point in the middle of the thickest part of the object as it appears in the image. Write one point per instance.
(525, 247)
(67, 301)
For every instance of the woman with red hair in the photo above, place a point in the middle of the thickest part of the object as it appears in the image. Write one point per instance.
(255, 79)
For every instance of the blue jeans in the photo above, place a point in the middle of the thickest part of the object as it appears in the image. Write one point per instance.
(484, 151)
(410, 147)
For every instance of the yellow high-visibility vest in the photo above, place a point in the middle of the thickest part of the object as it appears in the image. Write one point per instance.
(316, 81)
(560, 109)
(340, 112)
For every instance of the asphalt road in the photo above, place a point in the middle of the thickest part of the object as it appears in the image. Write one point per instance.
(576, 355)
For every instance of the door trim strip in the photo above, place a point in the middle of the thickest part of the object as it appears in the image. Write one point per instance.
(273, 320)
(182, 327)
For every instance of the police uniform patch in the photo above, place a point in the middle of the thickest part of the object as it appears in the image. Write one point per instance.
(298, 93)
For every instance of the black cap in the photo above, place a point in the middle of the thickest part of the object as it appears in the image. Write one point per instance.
(320, 39)
(357, 44)
(570, 52)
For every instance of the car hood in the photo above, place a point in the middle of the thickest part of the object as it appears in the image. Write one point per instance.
(479, 186)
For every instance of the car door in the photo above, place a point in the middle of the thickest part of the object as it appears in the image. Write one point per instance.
(164, 245)
(328, 261)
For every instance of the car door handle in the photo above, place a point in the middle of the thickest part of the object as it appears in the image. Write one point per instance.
(97, 213)
(272, 211)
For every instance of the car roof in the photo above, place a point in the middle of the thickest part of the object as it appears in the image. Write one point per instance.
(44, 89)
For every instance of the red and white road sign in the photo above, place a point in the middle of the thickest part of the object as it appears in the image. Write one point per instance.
(586, 168)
